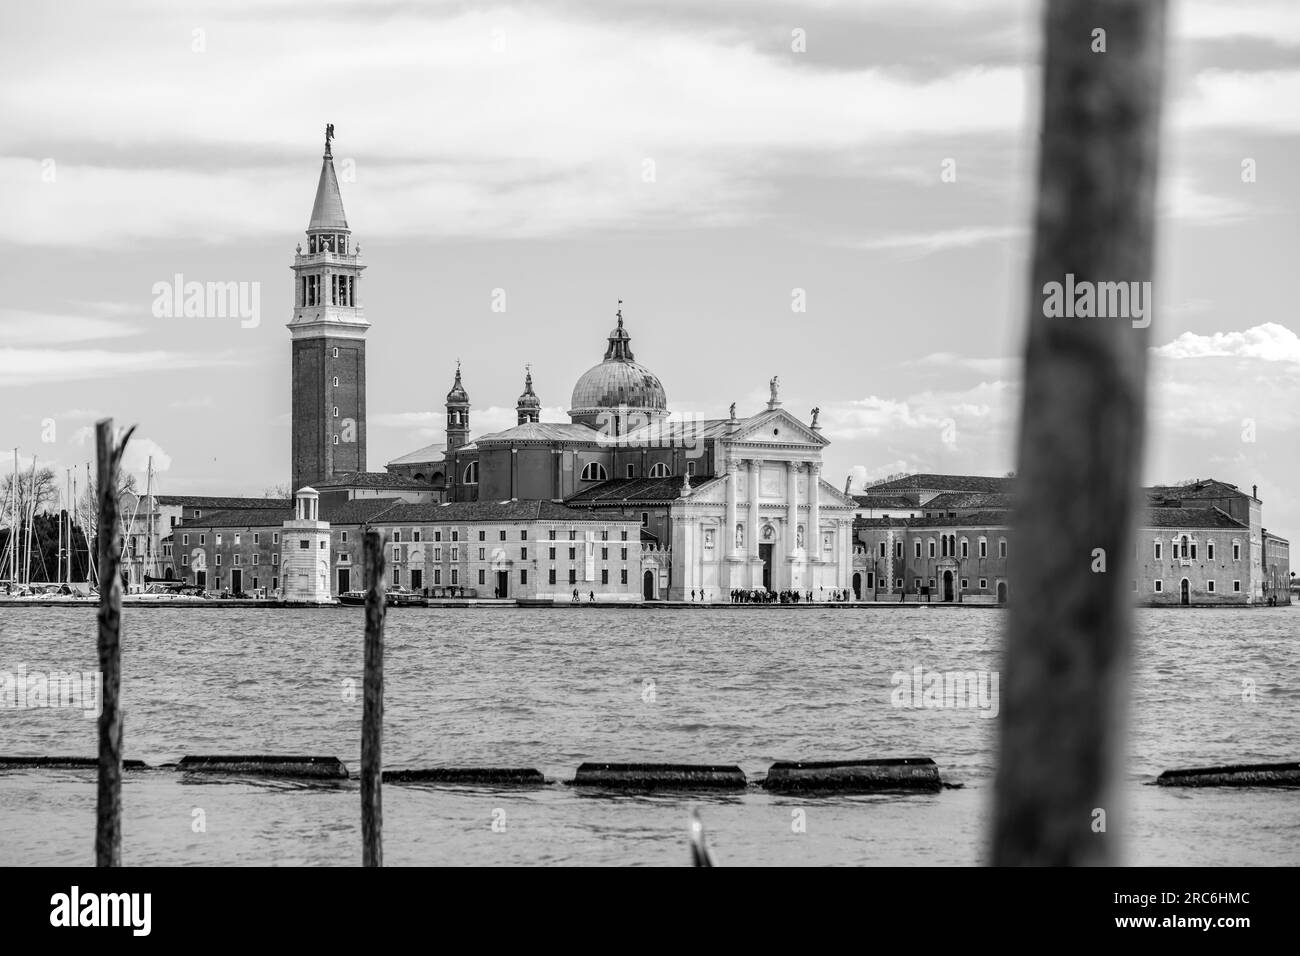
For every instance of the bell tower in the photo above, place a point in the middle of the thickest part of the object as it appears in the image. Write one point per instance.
(328, 339)
(457, 414)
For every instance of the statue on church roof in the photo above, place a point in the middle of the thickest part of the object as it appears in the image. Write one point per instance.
(815, 413)
(733, 411)
(773, 384)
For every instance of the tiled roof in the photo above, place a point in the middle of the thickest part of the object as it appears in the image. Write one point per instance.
(541, 432)
(206, 501)
(1190, 518)
(977, 519)
(983, 500)
(618, 491)
(369, 479)
(327, 210)
(657, 434)
(1205, 488)
(429, 453)
(530, 509)
(930, 482)
(341, 513)
(886, 501)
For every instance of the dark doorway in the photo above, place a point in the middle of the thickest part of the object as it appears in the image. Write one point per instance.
(1002, 592)
(345, 580)
(1185, 592)
(503, 583)
(417, 579)
(947, 586)
(857, 586)
(236, 580)
(167, 574)
(201, 579)
(765, 555)
(648, 585)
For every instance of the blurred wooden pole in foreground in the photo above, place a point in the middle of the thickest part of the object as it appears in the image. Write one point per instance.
(108, 809)
(372, 720)
(1081, 436)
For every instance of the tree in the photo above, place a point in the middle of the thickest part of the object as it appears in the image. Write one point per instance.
(34, 494)
(279, 491)
(88, 517)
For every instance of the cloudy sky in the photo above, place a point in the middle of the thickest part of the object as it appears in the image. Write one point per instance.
(708, 163)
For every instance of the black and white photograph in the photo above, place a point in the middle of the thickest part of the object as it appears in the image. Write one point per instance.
(651, 433)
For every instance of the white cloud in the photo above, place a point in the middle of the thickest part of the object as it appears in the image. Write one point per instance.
(1270, 341)
(919, 244)
(23, 367)
(23, 327)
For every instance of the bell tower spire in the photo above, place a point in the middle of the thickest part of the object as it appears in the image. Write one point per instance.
(457, 414)
(328, 338)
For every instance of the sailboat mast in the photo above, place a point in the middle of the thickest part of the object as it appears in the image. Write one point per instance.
(31, 519)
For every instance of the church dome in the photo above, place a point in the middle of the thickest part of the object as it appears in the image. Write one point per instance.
(618, 382)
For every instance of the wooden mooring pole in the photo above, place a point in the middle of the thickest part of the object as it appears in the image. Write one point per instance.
(372, 720)
(1081, 436)
(108, 810)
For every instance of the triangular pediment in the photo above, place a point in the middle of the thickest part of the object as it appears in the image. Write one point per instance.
(777, 426)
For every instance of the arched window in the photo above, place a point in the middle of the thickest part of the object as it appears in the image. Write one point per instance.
(659, 470)
(594, 471)
(471, 473)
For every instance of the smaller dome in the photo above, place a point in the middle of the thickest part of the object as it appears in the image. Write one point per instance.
(458, 395)
(529, 398)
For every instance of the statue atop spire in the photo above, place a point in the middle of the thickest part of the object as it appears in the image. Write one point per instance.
(620, 343)
(329, 135)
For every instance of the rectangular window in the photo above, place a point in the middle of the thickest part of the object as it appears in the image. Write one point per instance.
(455, 576)
(932, 549)
(918, 549)
(397, 576)
(482, 576)
(1193, 550)
(437, 576)
(185, 539)
(898, 549)
(917, 584)
(185, 560)
(237, 537)
(503, 534)
(573, 576)
(624, 550)
(256, 558)
(573, 554)
(573, 535)
(1236, 587)
(624, 577)
(397, 535)
(965, 584)
(604, 575)
(275, 537)
(275, 558)
(523, 554)
(624, 536)
(437, 554)
(397, 554)
(551, 534)
(965, 548)
(984, 548)
(645, 519)
(552, 553)
(984, 584)
(523, 576)
(455, 554)
(882, 549)
(604, 554)
(482, 535)
(1209, 550)
(1159, 549)
(1002, 549)
(1160, 586)
(551, 576)
(481, 554)
(437, 535)
(415, 538)
(303, 544)
(930, 583)
(604, 536)
(631, 470)
(1209, 586)
(219, 538)
(218, 560)
(455, 534)
(523, 535)
(1236, 549)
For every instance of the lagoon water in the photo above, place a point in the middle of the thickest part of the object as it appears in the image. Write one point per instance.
(551, 688)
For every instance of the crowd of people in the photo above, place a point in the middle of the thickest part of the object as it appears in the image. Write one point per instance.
(761, 596)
